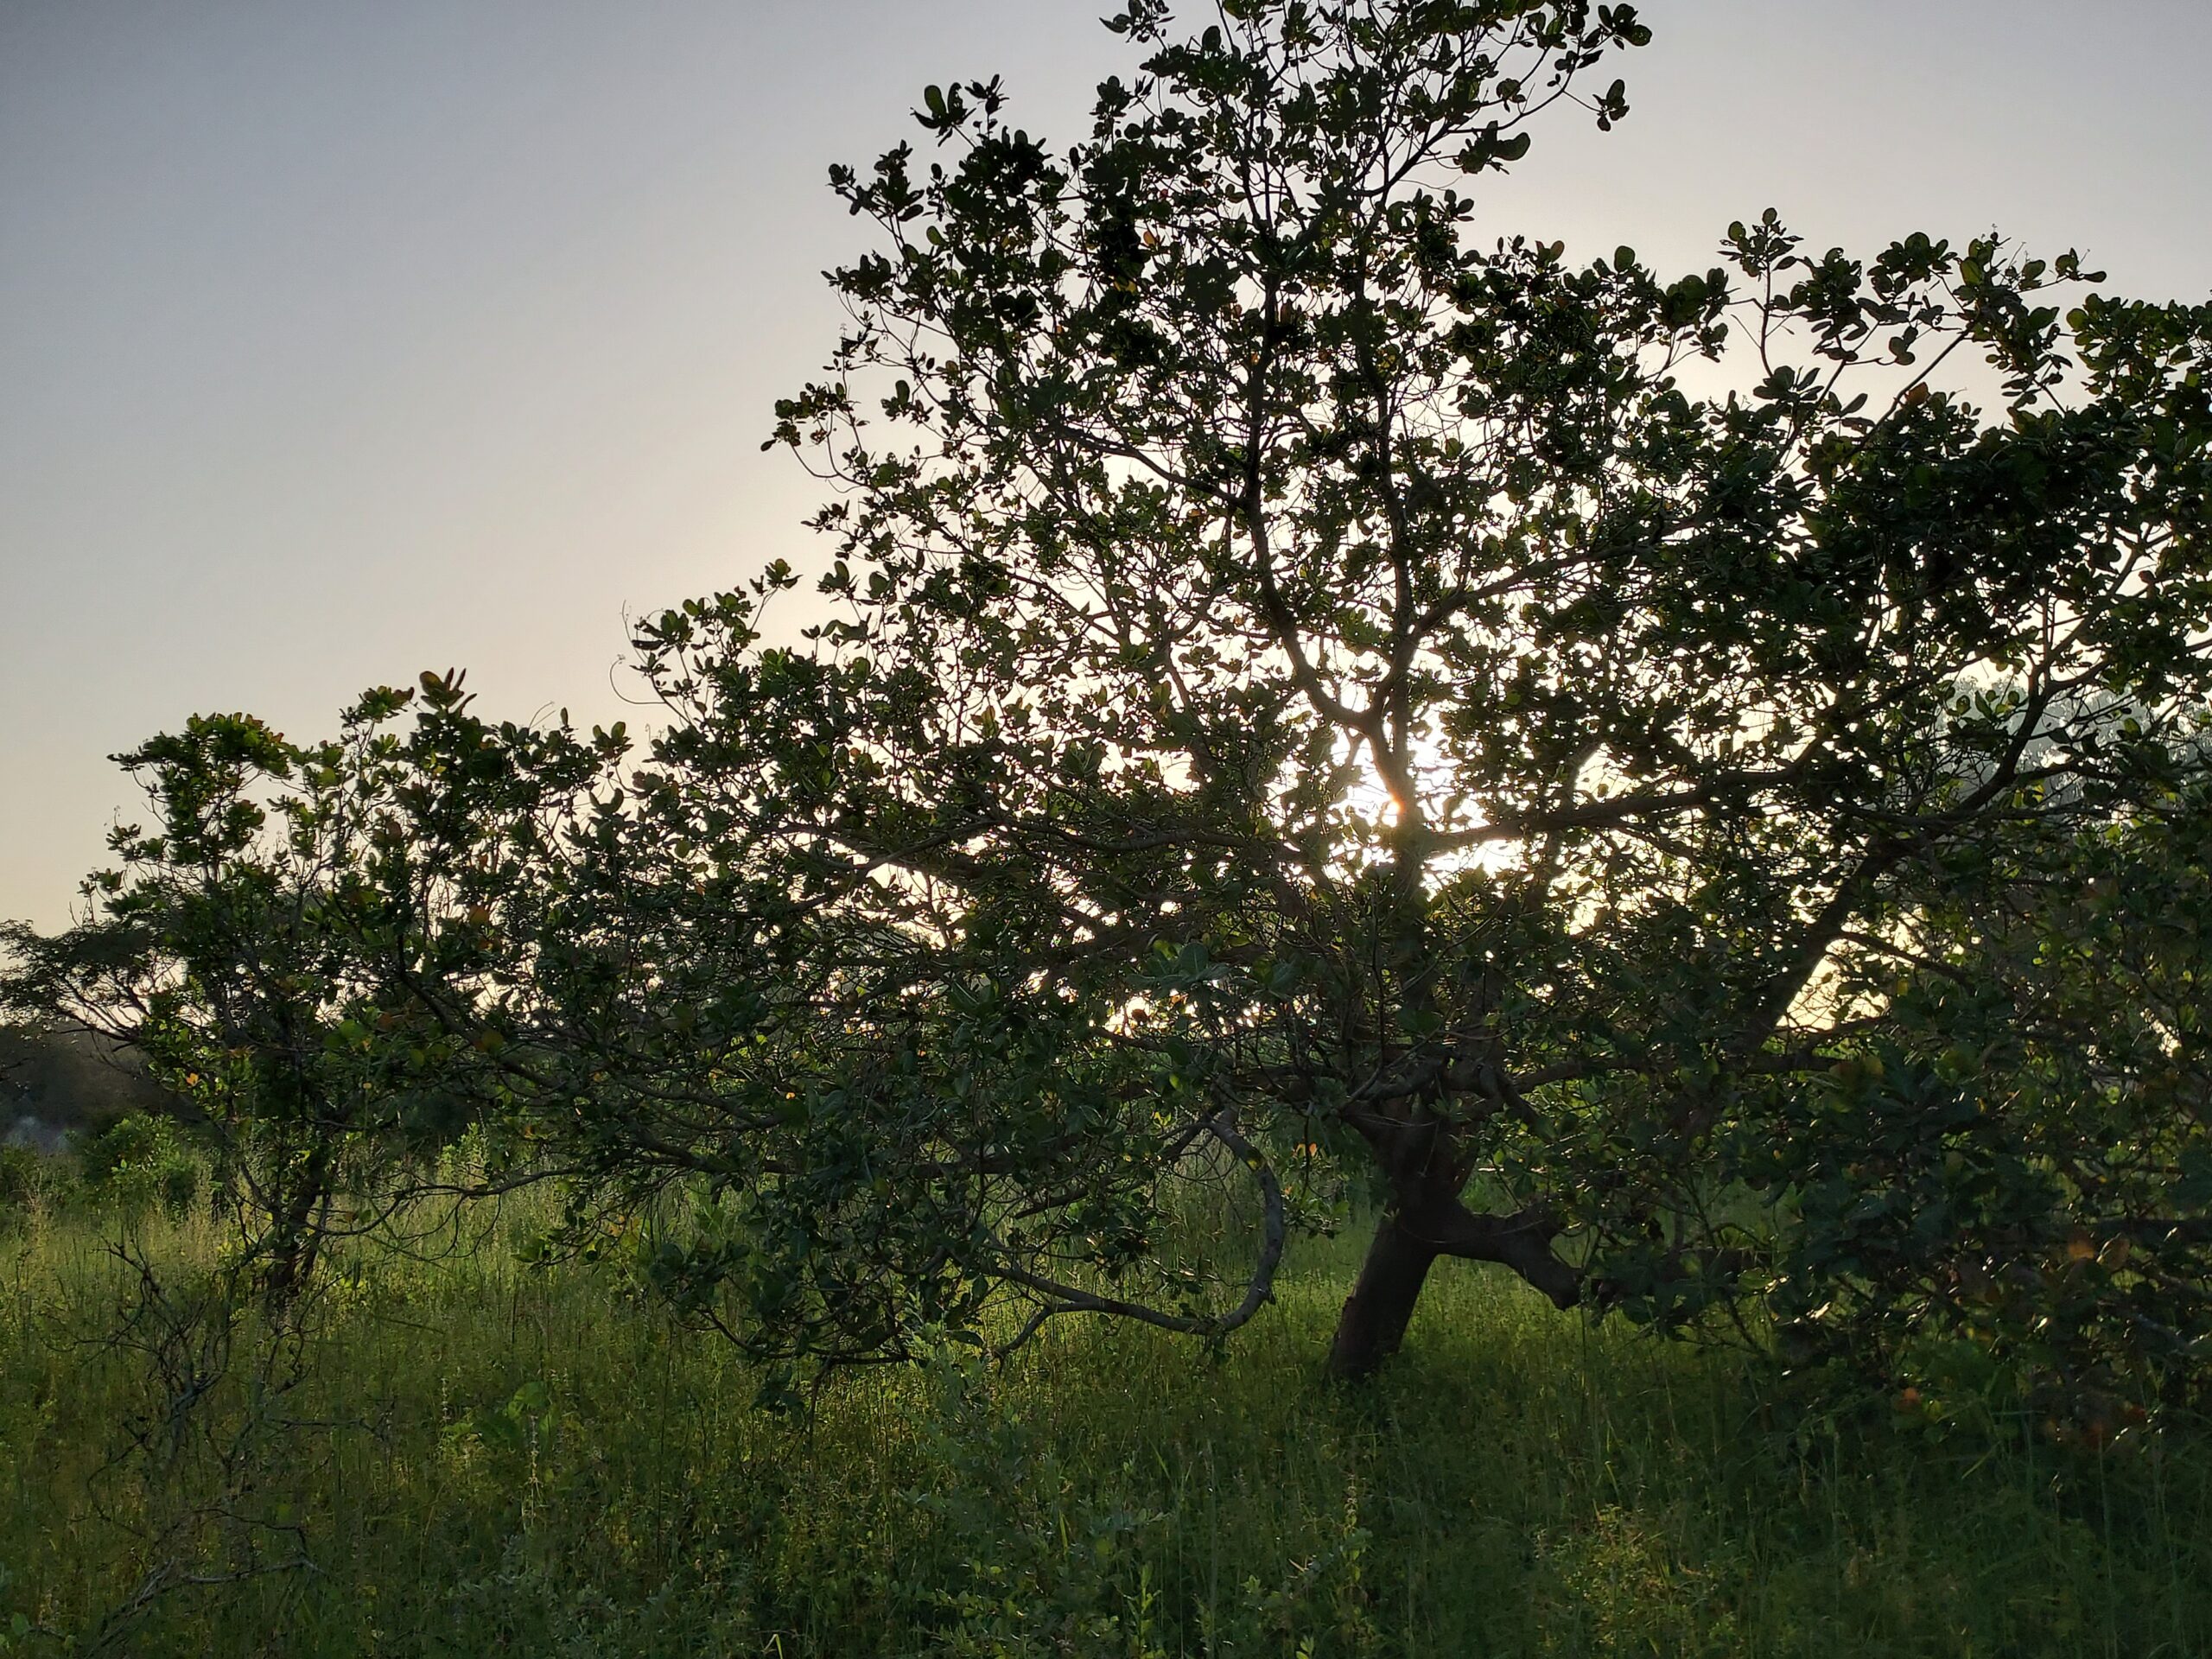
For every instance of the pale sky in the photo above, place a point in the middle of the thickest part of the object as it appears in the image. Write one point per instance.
(341, 340)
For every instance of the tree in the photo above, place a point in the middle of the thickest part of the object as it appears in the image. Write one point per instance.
(1311, 698)
(1482, 716)
(304, 951)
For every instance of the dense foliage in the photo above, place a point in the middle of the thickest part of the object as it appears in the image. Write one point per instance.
(1692, 787)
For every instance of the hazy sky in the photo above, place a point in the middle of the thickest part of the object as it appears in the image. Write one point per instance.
(341, 341)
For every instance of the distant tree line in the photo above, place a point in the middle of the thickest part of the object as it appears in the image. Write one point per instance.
(73, 1080)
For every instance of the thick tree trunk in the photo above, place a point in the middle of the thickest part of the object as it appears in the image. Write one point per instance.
(1407, 1242)
(1373, 1322)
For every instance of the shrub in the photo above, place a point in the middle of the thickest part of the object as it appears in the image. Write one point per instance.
(28, 1182)
(140, 1163)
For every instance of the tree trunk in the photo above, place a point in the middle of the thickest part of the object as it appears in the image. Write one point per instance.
(295, 1233)
(1373, 1322)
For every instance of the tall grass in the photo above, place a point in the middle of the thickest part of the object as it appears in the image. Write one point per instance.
(496, 1458)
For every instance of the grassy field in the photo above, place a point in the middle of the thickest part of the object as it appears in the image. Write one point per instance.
(505, 1460)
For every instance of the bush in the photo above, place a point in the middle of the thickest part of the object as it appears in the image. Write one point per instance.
(142, 1162)
(28, 1182)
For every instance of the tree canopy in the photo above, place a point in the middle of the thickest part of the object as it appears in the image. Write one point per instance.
(1691, 787)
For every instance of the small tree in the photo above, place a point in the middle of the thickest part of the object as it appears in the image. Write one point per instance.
(305, 948)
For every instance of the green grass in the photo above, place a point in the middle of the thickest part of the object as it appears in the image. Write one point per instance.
(533, 1462)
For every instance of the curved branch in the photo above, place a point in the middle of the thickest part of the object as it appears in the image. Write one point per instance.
(1258, 1291)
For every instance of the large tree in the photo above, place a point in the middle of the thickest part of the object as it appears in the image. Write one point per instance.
(1619, 767)
(1314, 670)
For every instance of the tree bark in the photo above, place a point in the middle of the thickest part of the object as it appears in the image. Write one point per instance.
(1406, 1242)
(295, 1236)
(1373, 1322)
